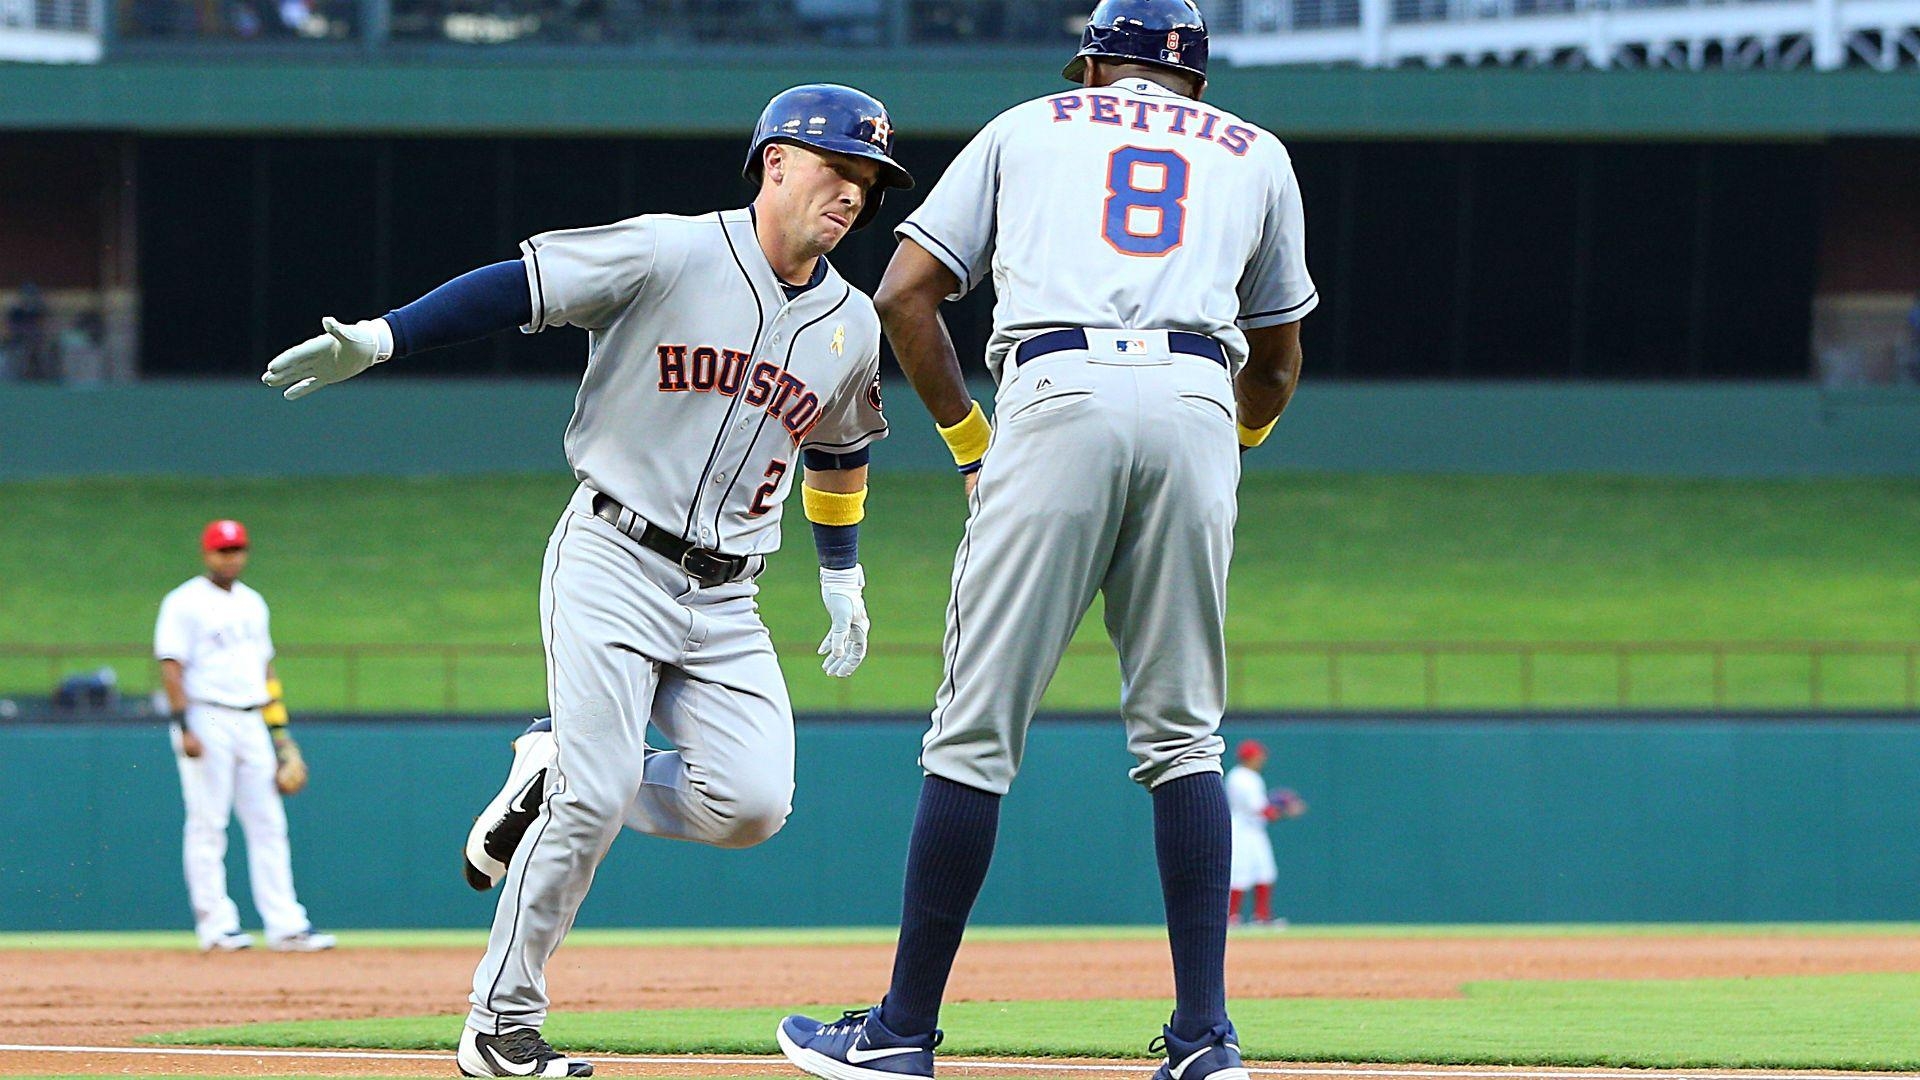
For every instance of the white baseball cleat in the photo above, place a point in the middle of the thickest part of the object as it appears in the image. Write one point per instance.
(517, 1052)
(232, 941)
(304, 941)
(500, 827)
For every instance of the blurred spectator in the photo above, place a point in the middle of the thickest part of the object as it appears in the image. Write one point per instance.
(83, 359)
(29, 349)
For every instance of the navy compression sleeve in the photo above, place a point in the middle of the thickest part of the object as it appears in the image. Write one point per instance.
(470, 306)
(837, 545)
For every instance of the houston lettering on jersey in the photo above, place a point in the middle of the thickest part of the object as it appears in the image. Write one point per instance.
(704, 369)
(1166, 117)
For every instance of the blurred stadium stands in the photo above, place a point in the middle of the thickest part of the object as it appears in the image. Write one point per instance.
(1684, 34)
(1590, 189)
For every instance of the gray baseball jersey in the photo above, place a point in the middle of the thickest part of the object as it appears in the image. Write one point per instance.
(1130, 214)
(1126, 206)
(703, 381)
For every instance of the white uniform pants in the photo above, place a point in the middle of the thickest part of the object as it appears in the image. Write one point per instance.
(1252, 858)
(633, 643)
(234, 773)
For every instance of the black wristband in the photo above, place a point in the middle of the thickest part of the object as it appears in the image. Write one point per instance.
(178, 718)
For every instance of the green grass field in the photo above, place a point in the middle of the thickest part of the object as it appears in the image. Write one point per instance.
(1827, 1022)
(1859, 1021)
(1320, 558)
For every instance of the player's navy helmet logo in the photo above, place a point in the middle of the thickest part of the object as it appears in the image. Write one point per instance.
(1170, 33)
(835, 119)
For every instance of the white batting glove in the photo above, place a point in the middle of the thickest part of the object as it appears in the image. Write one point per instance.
(846, 643)
(335, 356)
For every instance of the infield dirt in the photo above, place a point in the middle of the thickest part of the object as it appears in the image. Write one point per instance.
(108, 998)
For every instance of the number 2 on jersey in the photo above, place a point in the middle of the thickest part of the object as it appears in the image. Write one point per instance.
(760, 504)
(1146, 213)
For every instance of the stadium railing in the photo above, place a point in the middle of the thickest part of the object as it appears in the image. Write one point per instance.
(1676, 34)
(1330, 676)
(1881, 35)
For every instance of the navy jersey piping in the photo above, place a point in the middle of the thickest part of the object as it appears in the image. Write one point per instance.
(785, 362)
(921, 229)
(539, 286)
(1280, 311)
(719, 437)
(857, 440)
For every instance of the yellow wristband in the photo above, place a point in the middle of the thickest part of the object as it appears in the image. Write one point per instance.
(968, 439)
(1252, 437)
(834, 507)
(275, 714)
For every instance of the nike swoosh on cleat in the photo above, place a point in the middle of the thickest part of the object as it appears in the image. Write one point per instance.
(510, 1068)
(1177, 1070)
(857, 1056)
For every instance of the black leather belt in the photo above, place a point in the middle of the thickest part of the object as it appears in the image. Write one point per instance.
(704, 565)
(230, 708)
(1053, 341)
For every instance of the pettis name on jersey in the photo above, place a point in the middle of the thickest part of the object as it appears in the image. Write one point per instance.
(1159, 116)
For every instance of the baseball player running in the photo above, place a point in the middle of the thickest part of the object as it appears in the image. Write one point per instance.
(229, 733)
(723, 352)
(1146, 253)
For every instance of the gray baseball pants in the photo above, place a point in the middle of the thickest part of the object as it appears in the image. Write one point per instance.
(632, 641)
(1112, 470)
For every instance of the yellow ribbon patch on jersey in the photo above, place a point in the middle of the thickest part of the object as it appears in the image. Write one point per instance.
(839, 339)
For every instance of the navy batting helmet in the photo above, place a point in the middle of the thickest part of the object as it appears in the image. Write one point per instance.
(835, 118)
(1169, 33)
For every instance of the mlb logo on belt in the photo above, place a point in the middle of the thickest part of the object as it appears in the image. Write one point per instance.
(1130, 345)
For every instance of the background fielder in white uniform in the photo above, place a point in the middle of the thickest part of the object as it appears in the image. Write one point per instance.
(216, 662)
(1145, 248)
(725, 354)
(1254, 808)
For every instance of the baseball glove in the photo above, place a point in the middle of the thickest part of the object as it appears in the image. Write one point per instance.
(1286, 803)
(291, 776)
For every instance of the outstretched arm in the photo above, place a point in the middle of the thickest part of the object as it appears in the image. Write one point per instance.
(473, 305)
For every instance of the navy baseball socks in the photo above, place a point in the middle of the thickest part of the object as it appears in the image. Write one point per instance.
(947, 859)
(1192, 837)
(953, 835)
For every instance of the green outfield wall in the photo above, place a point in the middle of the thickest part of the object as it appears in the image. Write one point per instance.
(618, 92)
(403, 426)
(1412, 820)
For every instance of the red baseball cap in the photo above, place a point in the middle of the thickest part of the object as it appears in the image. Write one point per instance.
(1251, 749)
(223, 534)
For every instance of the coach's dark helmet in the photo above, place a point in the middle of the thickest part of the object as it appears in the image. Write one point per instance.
(1169, 33)
(826, 116)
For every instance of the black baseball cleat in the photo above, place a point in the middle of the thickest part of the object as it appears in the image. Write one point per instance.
(500, 827)
(518, 1052)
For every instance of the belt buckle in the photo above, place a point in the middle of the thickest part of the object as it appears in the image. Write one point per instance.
(703, 565)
